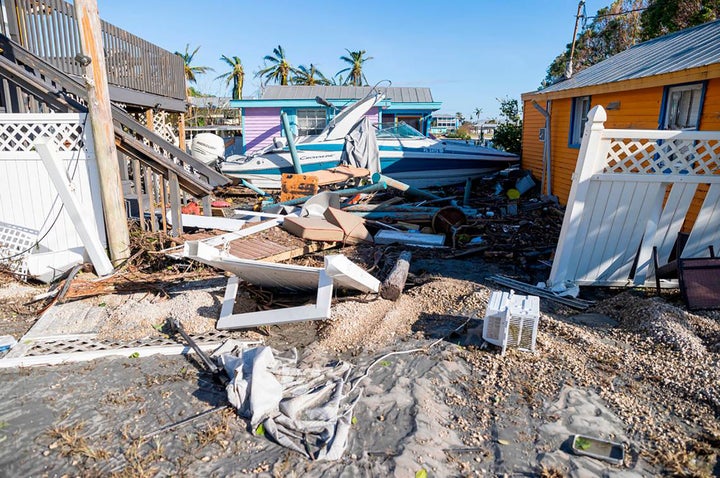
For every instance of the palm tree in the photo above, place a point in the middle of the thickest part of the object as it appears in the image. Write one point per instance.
(309, 76)
(355, 77)
(477, 112)
(279, 69)
(236, 75)
(191, 71)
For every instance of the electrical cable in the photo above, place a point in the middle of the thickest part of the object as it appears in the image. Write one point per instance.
(81, 144)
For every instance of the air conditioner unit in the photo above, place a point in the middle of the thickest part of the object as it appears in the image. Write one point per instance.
(512, 321)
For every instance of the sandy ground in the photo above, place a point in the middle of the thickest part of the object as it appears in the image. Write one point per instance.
(635, 369)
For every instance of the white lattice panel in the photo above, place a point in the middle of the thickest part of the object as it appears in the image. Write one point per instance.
(162, 125)
(19, 136)
(16, 244)
(657, 156)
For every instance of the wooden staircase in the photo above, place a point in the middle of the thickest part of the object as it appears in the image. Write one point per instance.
(34, 85)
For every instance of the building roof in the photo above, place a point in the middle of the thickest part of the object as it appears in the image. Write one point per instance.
(400, 94)
(690, 48)
(210, 101)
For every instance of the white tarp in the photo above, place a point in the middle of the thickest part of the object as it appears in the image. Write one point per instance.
(308, 410)
(361, 148)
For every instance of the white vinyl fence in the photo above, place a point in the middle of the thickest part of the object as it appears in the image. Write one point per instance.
(32, 217)
(631, 191)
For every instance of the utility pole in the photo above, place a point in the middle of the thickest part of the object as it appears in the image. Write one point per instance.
(569, 67)
(101, 122)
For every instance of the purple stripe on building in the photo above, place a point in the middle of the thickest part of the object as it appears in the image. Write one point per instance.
(260, 126)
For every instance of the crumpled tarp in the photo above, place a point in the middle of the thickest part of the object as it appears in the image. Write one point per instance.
(361, 148)
(308, 410)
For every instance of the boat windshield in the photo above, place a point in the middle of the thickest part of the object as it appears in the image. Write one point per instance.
(400, 130)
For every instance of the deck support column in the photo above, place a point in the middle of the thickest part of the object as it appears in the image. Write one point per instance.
(101, 123)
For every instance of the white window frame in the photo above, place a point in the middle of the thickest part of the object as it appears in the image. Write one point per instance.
(310, 121)
(580, 110)
(682, 107)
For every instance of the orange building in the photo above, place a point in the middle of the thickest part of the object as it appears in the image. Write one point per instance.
(670, 82)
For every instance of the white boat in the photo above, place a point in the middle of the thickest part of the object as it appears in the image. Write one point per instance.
(404, 154)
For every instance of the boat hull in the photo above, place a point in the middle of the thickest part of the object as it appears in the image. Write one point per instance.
(419, 163)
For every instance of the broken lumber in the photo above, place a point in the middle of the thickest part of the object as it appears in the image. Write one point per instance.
(393, 286)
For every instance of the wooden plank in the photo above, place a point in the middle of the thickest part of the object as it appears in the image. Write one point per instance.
(139, 193)
(301, 251)
(706, 230)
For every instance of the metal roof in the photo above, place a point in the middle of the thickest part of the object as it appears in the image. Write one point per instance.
(397, 94)
(689, 48)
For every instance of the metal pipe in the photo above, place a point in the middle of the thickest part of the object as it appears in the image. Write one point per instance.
(406, 188)
(291, 143)
(253, 188)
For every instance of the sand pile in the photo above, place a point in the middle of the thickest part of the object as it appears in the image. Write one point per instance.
(663, 323)
(139, 315)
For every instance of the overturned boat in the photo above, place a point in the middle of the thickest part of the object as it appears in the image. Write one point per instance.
(397, 150)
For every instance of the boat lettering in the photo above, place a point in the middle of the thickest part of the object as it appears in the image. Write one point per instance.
(432, 150)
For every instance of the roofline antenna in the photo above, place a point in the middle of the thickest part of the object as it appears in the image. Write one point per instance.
(569, 66)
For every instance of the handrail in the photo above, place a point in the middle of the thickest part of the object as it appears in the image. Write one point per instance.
(48, 29)
(68, 93)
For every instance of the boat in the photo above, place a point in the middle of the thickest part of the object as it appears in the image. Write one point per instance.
(405, 154)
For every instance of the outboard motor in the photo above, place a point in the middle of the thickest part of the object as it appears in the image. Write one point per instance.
(208, 148)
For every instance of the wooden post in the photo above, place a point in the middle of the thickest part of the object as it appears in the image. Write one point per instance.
(137, 177)
(149, 123)
(393, 286)
(181, 132)
(207, 205)
(101, 123)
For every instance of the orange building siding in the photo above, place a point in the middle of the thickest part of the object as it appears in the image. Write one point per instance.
(638, 109)
(532, 147)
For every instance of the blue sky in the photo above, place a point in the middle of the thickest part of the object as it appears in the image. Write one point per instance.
(469, 52)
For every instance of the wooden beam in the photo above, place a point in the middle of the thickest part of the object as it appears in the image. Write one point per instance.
(101, 123)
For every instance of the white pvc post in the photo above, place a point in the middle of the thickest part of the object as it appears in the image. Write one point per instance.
(77, 212)
(591, 160)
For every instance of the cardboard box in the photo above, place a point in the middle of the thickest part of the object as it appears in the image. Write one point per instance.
(353, 226)
(313, 229)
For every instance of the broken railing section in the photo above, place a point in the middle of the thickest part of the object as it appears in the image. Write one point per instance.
(338, 270)
(635, 191)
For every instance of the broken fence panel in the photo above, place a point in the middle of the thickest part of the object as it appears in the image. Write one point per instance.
(656, 175)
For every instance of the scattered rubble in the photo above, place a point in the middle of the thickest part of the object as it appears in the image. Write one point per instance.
(649, 368)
